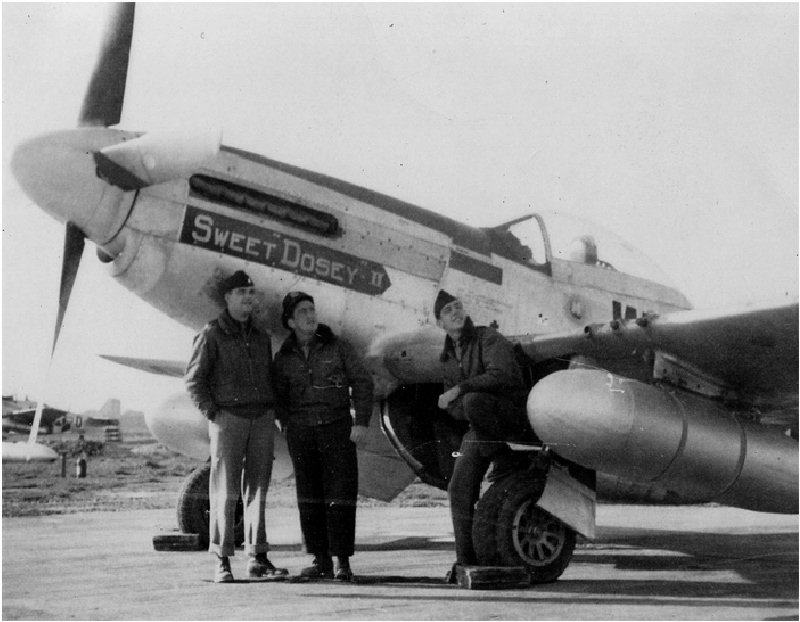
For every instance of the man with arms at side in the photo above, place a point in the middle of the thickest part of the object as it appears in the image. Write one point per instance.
(315, 372)
(229, 379)
(483, 385)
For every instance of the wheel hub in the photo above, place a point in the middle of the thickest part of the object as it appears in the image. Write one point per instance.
(537, 537)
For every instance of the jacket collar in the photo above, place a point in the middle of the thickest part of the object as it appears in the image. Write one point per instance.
(467, 334)
(323, 336)
(232, 327)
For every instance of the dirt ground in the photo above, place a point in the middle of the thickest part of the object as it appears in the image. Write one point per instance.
(138, 473)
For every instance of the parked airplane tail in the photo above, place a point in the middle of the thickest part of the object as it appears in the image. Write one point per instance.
(110, 410)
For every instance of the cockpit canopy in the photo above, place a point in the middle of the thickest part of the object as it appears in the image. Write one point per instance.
(551, 235)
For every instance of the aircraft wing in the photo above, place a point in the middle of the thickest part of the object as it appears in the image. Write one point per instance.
(752, 351)
(159, 367)
(382, 474)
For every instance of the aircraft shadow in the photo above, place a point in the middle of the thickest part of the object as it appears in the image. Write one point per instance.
(569, 599)
(768, 563)
(411, 543)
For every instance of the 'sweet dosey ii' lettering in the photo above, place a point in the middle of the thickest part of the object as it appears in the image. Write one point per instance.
(247, 241)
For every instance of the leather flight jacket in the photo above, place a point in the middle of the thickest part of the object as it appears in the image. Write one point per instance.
(487, 363)
(316, 390)
(231, 368)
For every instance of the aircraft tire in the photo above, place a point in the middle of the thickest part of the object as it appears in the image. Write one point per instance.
(528, 536)
(193, 507)
(484, 524)
(485, 527)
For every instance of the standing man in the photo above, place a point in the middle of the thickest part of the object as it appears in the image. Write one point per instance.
(483, 385)
(315, 372)
(229, 379)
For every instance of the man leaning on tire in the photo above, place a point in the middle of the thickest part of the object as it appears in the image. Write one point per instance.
(483, 385)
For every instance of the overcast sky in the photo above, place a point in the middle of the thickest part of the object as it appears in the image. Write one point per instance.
(674, 125)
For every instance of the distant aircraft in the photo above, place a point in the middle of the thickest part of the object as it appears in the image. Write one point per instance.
(108, 415)
(26, 417)
(634, 394)
(29, 450)
(52, 419)
(10, 404)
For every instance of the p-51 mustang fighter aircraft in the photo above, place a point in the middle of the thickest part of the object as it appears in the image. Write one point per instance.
(633, 394)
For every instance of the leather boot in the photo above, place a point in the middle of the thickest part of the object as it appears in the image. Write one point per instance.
(222, 570)
(320, 568)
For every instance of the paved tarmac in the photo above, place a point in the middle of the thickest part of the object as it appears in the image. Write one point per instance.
(648, 563)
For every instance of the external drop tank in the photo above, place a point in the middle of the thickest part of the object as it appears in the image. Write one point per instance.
(694, 448)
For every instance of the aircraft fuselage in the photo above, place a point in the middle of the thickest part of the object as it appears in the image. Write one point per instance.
(373, 263)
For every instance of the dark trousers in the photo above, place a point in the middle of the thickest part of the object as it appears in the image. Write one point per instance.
(493, 421)
(326, 474)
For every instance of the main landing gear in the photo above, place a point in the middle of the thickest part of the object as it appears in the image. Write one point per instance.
(510, 530)
(193, 507)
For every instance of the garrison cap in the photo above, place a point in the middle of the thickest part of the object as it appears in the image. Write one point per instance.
(237, 279)
(441, 300)
(290, 301)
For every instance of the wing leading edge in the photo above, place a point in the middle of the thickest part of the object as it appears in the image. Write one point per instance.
(159, 367)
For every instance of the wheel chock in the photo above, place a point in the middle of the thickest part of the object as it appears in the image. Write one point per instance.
(492, 577)
(176, 541)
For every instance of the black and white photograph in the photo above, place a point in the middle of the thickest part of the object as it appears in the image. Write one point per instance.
(400, 311)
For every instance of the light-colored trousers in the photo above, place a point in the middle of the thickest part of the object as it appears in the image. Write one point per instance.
(242, 451)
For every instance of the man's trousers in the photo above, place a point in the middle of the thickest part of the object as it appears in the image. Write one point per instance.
(242, 450)
(493, 421)
(326, 474)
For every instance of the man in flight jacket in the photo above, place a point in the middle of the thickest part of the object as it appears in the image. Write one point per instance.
(483, 385)
(315, 372)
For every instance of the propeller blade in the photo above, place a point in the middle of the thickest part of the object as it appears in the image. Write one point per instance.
(74, 241)
(102, 104)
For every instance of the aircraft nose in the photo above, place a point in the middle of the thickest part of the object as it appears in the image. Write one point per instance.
(57, 171)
